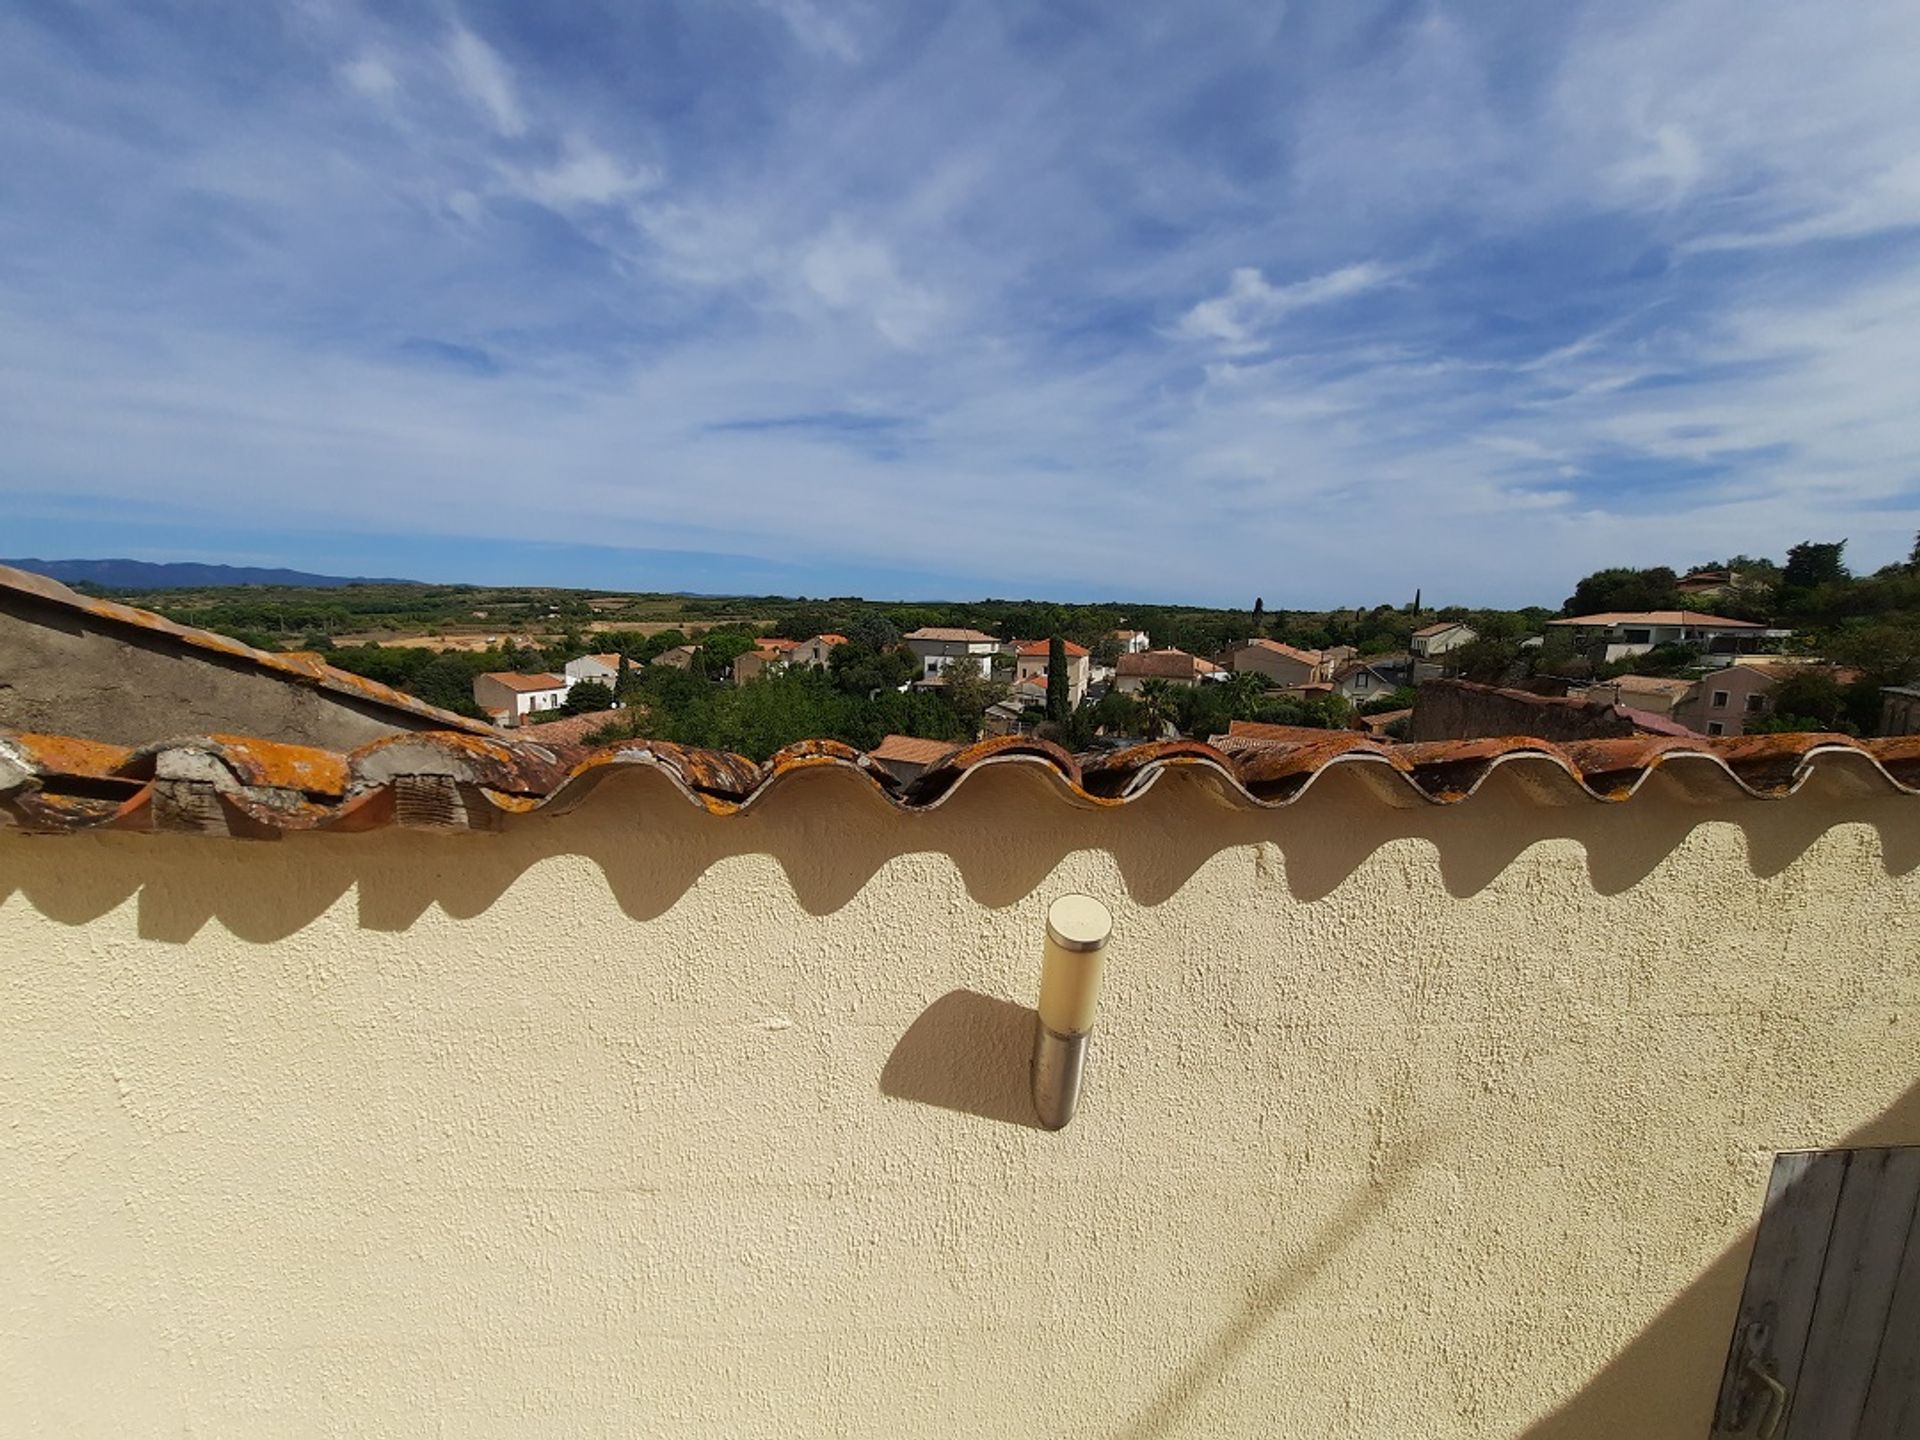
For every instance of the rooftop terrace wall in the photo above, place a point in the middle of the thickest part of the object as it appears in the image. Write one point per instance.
(1423, 1120)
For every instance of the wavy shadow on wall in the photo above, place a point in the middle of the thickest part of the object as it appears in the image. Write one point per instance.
(1005, 831)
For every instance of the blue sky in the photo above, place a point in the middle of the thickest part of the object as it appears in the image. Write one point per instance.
(1319, 302)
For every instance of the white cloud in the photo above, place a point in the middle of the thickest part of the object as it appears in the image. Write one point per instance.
(370, 75)
(856, 273)
(1238, 319)
(584, 176)
(487, 81)
(814, 27)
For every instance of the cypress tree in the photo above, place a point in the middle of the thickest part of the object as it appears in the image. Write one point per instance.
(1059, 692)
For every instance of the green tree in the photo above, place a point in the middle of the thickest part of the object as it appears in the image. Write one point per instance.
(1155, 706)
(969, 694)
(586, 698)
(447, 681)
(1624, 588)
(1812, 699)
(1059, 688)
(1259, 615)
(1813, 563)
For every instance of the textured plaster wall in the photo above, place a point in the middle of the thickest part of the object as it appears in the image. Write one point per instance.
(636, 1122)
(100, 681)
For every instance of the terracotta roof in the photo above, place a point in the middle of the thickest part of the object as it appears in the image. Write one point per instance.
(611, 660)
(1043, 648)
(912, 750)
(1164, 664)
(1440, 627)
(513, 680)
(573, 730)
(1376, 724)
(1691, 618)
(304, 668)
(1292, 652)
(831, 639)
(775, 642)
(947, 632)
(231, 785)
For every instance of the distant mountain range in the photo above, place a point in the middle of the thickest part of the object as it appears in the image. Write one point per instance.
(145, 575)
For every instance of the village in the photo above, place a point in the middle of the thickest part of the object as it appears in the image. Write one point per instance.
(1719, 676)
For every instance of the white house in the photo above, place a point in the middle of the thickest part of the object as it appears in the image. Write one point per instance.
(1030, 659)
(512, 696)
(1635, 632)
(604, 668)
(1133, 642)
(938, 646)
(1440, 637)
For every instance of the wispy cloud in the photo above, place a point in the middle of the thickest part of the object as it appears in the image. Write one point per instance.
(1239, 318)
(1596, 283)
(486, 80)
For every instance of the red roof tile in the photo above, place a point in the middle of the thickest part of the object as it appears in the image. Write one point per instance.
(512, 680)
(442, 780)
(1044, 648)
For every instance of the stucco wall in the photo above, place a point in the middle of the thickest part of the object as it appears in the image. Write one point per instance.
(68, 675)
(636, 1122)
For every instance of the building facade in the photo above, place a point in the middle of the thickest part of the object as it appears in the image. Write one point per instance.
(1440, 637)
(1285, 665)
(936, 647)
(1031, 657)
(511, 697)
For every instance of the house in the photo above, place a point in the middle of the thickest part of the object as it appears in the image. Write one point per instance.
(1133, 642)
(1030, 659)
(1655, 694)
(1704, 582)
(767, 656)
(1438, 638)
(671, 1093)
(1285, 665)
(1363, 680)
(938, 646)
(77, 665)
(1620, 633)
(1176, 666)
(515, 696)
(1727, 700)
(907, 757)
(680, 657)
(603, 668)
(1900, 710)
(814, 652)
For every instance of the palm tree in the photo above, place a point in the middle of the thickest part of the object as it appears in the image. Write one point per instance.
(1156, 706)
(1244, 689)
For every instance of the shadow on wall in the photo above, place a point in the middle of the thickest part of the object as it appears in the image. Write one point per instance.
(1659, 1373)
(971, 1053)
(830, 833)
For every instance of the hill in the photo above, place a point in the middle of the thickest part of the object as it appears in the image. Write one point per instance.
(147, 575)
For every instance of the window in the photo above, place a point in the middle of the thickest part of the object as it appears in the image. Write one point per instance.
(1639, 637)
(1719, 699)
(1756, 703)
(1714, 727)
(1360, 681)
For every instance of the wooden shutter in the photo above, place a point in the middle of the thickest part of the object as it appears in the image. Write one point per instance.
(1827, 1342)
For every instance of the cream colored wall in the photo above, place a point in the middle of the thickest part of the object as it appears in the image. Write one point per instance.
(637, 1122)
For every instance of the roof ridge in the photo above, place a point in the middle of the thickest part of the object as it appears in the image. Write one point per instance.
(263, 789)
